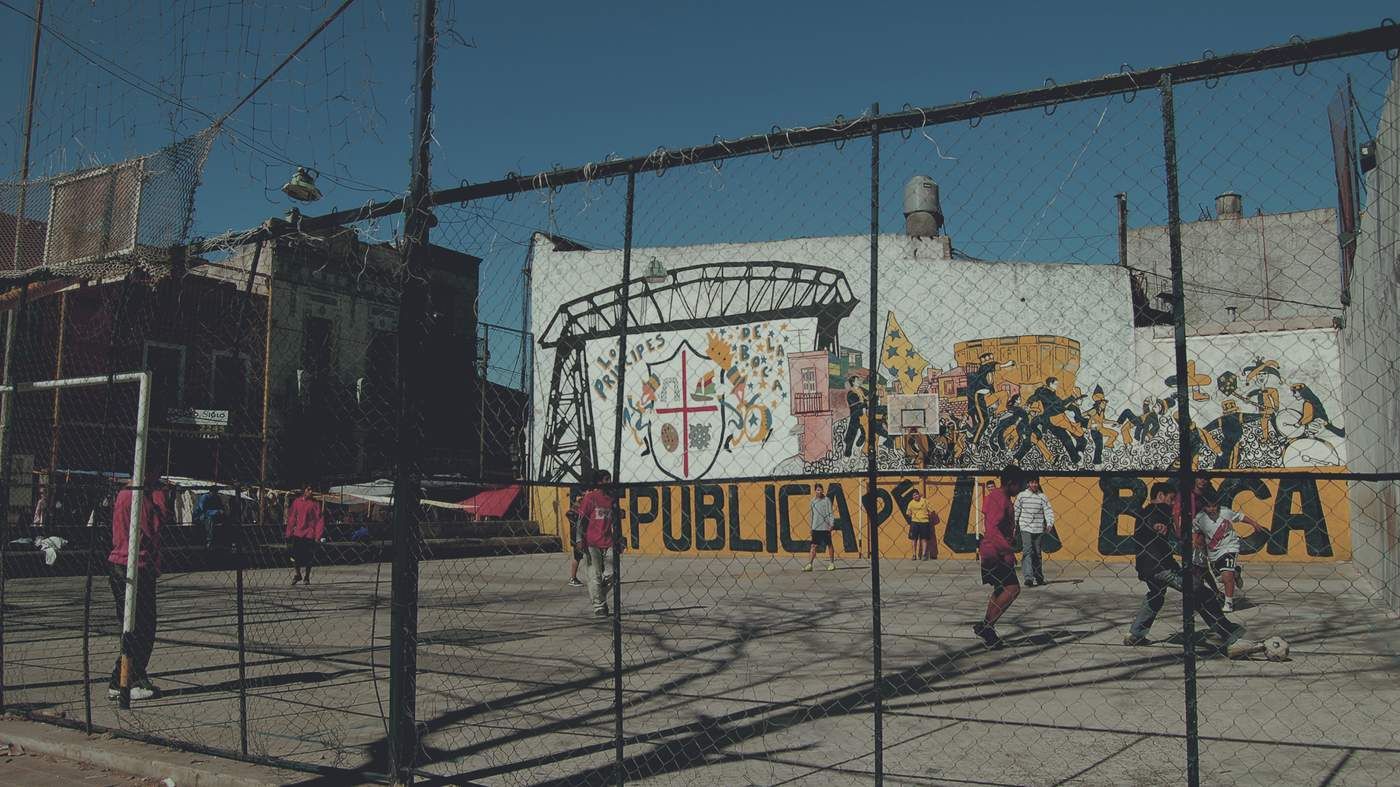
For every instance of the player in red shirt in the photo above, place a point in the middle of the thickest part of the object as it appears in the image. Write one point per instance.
(306, 524)
(996, 553)
(155, 513)
(596, 517)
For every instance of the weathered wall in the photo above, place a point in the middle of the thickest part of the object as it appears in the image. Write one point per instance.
(1371, 363)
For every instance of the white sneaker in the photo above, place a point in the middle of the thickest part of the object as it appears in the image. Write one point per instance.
(137, 693)
(807, 567)
(1241, 648)
(1229, 605)
(830, 566)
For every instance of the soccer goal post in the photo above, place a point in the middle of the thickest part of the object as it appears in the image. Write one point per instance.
(138, 481)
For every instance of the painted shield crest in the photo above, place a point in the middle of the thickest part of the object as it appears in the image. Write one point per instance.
(687, 425)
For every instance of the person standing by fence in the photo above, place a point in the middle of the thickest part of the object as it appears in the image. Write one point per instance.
(596, 519)
(306, 525)
(155, 512)
(1034, 518)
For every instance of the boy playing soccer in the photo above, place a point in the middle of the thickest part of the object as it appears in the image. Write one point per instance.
(596, 533)
(996, 554)
(1157, 567)
(1216, 526)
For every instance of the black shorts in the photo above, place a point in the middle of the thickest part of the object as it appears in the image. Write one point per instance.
(921, 530)
(999, 575)
(821, 539)
(302, 551)
(1226, 562)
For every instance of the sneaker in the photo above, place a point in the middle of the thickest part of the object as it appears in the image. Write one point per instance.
(830, 566)
(574, 583)
(1135, 640)
(1228, 606)
(1241, 648)
(600, 613)
(807, 567)
(141, 691)
(988, 635)
(295, 580)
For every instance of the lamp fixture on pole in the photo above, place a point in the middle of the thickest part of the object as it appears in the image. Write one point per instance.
(656, 273)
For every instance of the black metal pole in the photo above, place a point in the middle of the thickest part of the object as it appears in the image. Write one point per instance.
(1185, 476)
(403, 605)
(7, 378)
(617, 474)
(872, 467)
(238, 558)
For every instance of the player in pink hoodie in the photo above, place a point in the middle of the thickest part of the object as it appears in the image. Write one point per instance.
(306, 524)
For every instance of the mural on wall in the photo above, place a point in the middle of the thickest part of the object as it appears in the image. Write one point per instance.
(757, 398)
(696, 402)
(1018, 399)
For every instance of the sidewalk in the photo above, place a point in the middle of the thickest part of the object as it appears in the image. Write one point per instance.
(22, 766)
(43, 755)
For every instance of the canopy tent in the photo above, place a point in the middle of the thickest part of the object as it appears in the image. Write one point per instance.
(379, 491)
(492, 502)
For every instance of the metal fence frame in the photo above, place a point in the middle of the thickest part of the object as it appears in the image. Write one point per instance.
(416, 207)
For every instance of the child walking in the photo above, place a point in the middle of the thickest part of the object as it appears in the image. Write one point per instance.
(596, 533)
(306, 524)
(822, 521)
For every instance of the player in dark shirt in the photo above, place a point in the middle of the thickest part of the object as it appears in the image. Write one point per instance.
(1156, 536)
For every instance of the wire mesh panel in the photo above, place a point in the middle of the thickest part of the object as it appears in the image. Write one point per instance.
(1033, 439)
(745, 599)
(1275, 197)
(515, 681)
(1021, 402)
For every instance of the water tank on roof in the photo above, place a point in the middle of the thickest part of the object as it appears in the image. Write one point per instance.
(923, 215)
(1229, 206)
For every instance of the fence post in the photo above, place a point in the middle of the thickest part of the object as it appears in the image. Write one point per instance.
(622, 321)
(239, 555)
(1185, 476)
(403, 605)
(872, 395)
(13, 320)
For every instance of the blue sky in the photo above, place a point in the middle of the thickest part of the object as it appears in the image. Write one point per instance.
(525, 86)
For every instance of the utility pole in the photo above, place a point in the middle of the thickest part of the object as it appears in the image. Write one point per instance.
(403, 605)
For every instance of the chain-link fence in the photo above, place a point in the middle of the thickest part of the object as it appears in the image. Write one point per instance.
(1037, 438)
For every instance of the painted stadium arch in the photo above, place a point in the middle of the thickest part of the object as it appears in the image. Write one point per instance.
(742, 297)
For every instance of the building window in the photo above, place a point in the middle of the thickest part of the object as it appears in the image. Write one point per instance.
(316, 345)
(166, 363)
(809, 380)
(228, 383)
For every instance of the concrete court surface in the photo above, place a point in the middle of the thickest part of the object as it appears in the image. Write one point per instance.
(741, 671)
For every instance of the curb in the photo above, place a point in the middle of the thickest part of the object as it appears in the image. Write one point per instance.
(142, 759)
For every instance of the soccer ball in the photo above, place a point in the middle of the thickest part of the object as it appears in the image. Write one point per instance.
(1276, 648)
